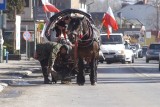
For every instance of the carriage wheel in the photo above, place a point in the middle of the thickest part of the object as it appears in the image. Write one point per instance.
(159, 64)
(93, 75)
(80, 75)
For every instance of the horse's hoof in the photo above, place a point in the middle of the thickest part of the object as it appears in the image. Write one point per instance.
(94, 83)
(54, 82)
(80, 84)
(47, 82)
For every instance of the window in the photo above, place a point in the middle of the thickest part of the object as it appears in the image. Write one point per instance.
(155, 46)
(114, 39)
(39, 3)
(26, 3)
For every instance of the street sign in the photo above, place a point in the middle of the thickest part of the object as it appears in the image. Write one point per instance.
(26, 35)
(2, 4)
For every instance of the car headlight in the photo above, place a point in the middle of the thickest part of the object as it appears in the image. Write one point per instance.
(120, 51)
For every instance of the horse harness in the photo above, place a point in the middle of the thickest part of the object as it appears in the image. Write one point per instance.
(82, 41)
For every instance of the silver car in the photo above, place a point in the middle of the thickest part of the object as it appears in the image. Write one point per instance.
(153, 52)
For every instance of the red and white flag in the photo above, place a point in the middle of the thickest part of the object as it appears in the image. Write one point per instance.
(109, 21)
(48, 7)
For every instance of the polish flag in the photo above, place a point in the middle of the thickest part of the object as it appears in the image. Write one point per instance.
(109, 21)
(48, 7)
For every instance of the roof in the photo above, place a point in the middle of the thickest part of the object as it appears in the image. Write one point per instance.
(143, 13)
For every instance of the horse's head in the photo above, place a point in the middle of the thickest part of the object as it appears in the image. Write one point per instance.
(74, 28)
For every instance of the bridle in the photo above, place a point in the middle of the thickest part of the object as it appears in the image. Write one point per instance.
(81, 30)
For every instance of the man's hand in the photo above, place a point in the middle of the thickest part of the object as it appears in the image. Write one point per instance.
(50, 69)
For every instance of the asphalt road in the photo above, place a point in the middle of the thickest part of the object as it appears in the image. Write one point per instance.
(119, 85)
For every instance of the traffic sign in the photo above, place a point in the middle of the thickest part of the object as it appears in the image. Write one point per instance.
(26, 35)
(2, 4)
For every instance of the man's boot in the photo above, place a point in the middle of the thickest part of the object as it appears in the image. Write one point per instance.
(45, 75)
(46, 80)
(54, 76)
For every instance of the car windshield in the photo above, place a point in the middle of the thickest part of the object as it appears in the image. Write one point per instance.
(154, 46)
(113, 39)
(144, 48)
(133, 47)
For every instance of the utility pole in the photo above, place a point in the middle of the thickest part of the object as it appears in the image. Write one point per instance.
(14, 36)
(157, 5)
(1, 46)
(35, 27)
(15, 12)
(2, 7)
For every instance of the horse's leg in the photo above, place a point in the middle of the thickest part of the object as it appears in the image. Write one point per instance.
(81, 74)
(93, 74)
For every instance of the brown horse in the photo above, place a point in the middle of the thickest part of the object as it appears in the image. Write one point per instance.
(86, 51)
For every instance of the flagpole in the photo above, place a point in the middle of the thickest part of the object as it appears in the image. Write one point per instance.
(35, 27)
(101, 25)
(107, 3)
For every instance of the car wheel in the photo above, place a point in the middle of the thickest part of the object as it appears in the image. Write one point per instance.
(147, 60)
(132, 59)
(108, 62)
(159, 65)
(123, 61)
(141, 55)
(136, 56)
(101, 61)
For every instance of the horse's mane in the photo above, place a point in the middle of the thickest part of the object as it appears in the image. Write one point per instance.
(87, 29)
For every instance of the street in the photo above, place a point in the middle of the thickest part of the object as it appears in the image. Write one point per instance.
(119, 85)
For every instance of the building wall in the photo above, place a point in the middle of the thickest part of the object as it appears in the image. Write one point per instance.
(28, 12)
(63, 4)
(79, 4)
(75, 4)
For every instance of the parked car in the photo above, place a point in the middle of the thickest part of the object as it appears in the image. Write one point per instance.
(144, 50)
(135, 54)
(153, 52)
(138, 51)
(129, 54)
(101, 57)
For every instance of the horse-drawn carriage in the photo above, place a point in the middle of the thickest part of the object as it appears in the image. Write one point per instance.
(83, 45)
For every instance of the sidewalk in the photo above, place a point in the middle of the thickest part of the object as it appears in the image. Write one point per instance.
(22, 67)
